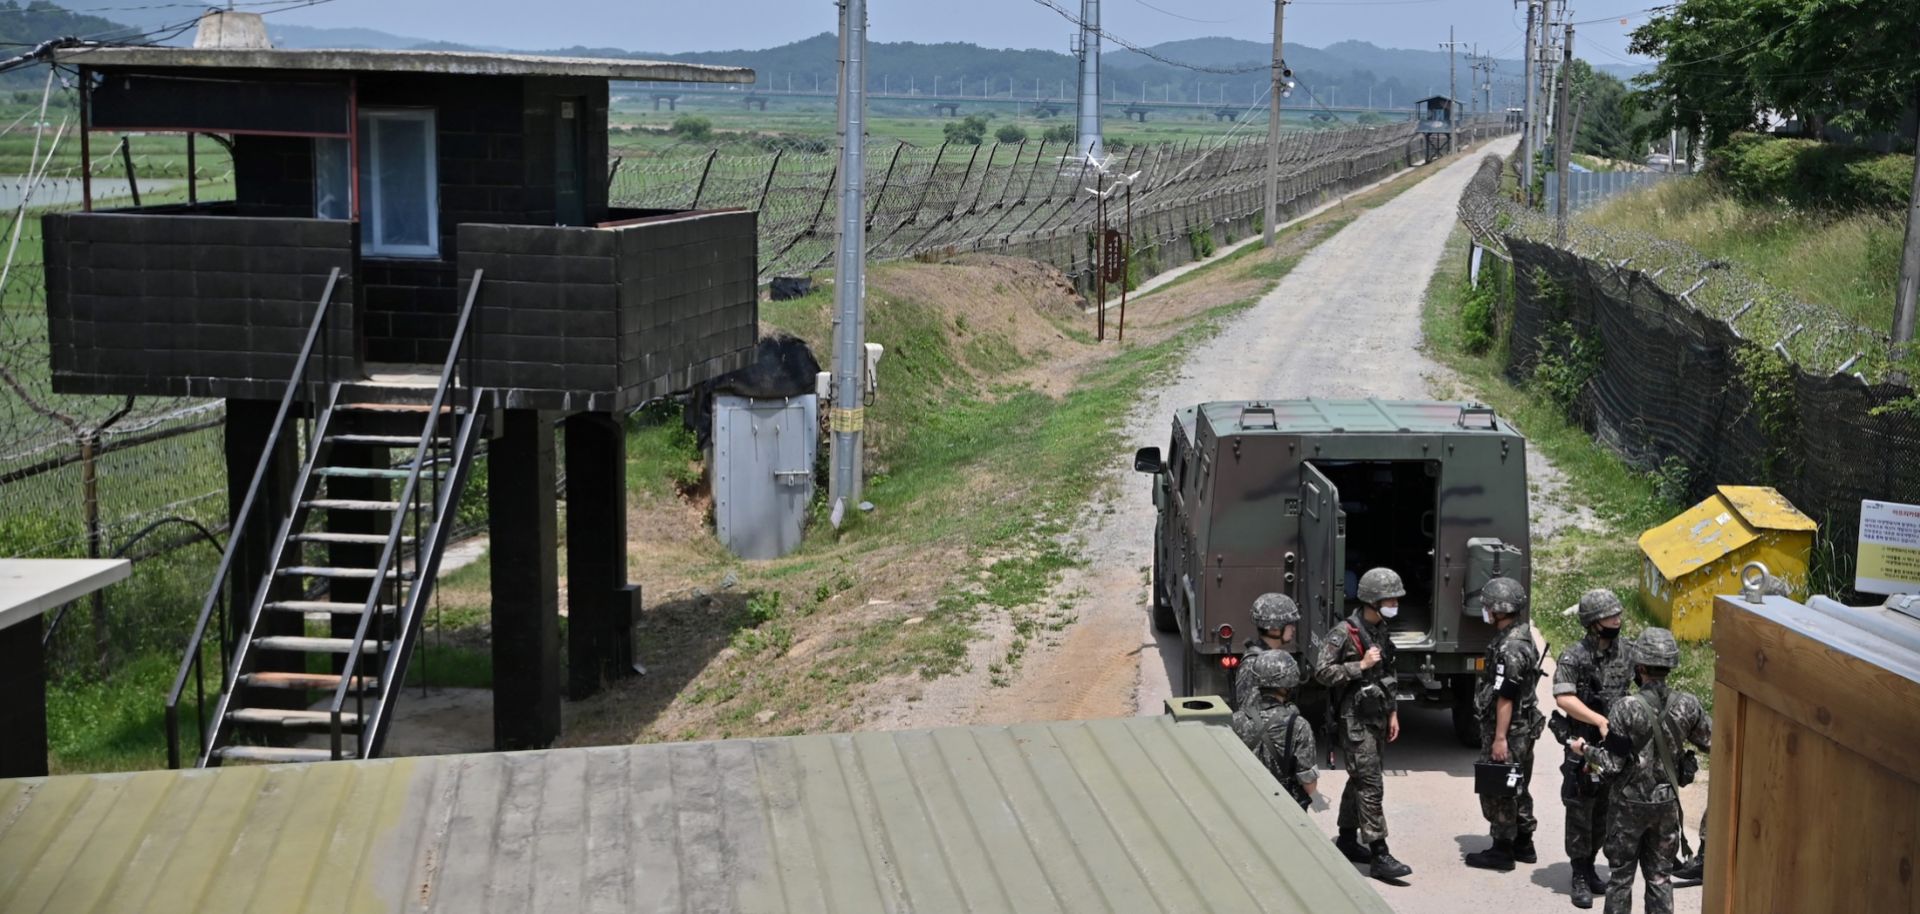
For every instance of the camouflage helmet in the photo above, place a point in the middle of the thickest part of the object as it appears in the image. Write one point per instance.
(1275, 610)
(1597, 604)
(1503, 596)
(1655, 648)
(1272, 670)
(1380, 584)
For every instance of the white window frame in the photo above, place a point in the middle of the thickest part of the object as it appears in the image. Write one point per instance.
(371, 244)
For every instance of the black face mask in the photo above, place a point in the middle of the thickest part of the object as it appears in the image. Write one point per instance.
(1605, 635)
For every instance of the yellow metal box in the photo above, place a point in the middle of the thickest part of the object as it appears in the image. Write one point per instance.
(1698, 555)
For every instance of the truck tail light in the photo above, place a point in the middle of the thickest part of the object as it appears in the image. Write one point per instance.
(1229, 661)
(1225, 632)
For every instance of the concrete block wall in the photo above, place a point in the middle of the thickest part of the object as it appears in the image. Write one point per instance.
(184, 305)
(603, 319)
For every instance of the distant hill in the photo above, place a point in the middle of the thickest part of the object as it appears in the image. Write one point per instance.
(1343, 73)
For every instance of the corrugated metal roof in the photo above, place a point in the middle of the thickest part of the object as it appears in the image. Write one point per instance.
(1352, 415)
(1136, 814)
(471, 63)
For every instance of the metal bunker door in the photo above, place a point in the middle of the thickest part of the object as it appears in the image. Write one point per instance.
(1323, 544)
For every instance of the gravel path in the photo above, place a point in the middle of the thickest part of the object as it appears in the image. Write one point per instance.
(1344, 323)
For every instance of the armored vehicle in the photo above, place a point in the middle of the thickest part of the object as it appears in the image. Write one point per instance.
(1301, 497)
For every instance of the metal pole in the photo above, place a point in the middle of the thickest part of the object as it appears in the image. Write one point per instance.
(1528, 129)
(1907, 293)
(1562, 153)
(1126, 272)
(848, 419)
(1271, 214)
(1089, 116)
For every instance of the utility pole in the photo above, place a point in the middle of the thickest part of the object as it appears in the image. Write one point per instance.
(1562, 142)
(1530, 127)
(848, 419)
(1277, 91)
(1908, 292)
(1453, 92)
(1089, 116)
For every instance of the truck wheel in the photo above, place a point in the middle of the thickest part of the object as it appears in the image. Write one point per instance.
(1466, 721)
(1164, 619)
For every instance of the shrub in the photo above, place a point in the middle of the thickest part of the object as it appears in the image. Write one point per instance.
(1568, 362)
(1811, 174)
(1010, 134)
(1478, 322)
(692, 127)
(1060, 133)
(971, 130)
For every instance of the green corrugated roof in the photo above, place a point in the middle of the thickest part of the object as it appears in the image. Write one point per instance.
(1358, 416)
(1134, 814)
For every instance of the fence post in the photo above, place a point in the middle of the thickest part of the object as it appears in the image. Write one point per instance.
(884, 181)
(767, 188)
(133, 181)
(697, 191)
(90, 496)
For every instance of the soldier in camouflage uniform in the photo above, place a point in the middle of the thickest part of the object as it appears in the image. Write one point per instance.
(1510, 721)
(1589, 677)
(1356, 661)
(1637, 758)
(1276, 619)
(1273, 728)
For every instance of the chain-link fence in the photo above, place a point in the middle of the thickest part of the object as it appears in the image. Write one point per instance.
(1686, 364)
(1027, 199)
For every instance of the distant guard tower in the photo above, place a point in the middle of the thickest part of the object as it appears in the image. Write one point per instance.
(1436, 124)
(418, 256)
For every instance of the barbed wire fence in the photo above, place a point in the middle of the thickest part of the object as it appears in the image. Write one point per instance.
(1696, 367)
(1026, 199)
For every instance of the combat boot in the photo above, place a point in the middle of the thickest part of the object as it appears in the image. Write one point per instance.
(1691, 871)
(1384, 866)
(1498, 857)
(1349, 844)
(1582, 885)
(1523, 851)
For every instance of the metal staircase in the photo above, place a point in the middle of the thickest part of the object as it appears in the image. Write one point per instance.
(269, 678)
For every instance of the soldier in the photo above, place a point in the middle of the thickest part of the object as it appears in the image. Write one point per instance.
(1510, 721)
(1638, 758)
(1590, 676)
(1273, 728)
(1275, 619)
(1356, 661)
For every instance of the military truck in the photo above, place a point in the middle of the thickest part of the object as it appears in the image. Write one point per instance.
(1303, 496)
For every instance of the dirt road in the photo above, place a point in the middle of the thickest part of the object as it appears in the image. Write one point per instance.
(1344, 323)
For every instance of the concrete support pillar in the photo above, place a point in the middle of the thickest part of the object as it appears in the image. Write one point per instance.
(526, 582)
(248, 426)
(599, 600)
(23, 716)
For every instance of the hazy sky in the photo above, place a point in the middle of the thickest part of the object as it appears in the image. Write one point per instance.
(679, 25)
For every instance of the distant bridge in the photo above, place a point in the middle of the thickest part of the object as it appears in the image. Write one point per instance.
(669, 95)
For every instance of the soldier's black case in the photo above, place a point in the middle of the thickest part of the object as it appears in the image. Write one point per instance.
(1498, 779)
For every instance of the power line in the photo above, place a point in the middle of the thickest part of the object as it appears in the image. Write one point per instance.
(1122, 42)
(1183, 18)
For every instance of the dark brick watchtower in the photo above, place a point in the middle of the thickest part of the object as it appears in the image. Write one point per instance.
(419, 263)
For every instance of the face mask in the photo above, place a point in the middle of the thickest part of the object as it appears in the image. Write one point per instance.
(1486, 615)
(1608, 634)
(1388, 612)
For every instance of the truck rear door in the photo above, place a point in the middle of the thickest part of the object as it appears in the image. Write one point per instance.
(1323, 545)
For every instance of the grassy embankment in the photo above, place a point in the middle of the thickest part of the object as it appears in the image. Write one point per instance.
(1624, 501)
(1847, 260)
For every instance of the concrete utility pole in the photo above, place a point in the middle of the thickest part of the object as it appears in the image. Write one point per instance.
(848, 419)
(1089, 121)
(1453, 92)
(1907, 294)
(1278, 90)
(1529, 129)
(1562, 141)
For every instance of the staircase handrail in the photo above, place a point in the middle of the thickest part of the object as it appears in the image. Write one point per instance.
(349, 669)
(191, 663)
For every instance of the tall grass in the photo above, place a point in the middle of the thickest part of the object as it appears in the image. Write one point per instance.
(1849, 262)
